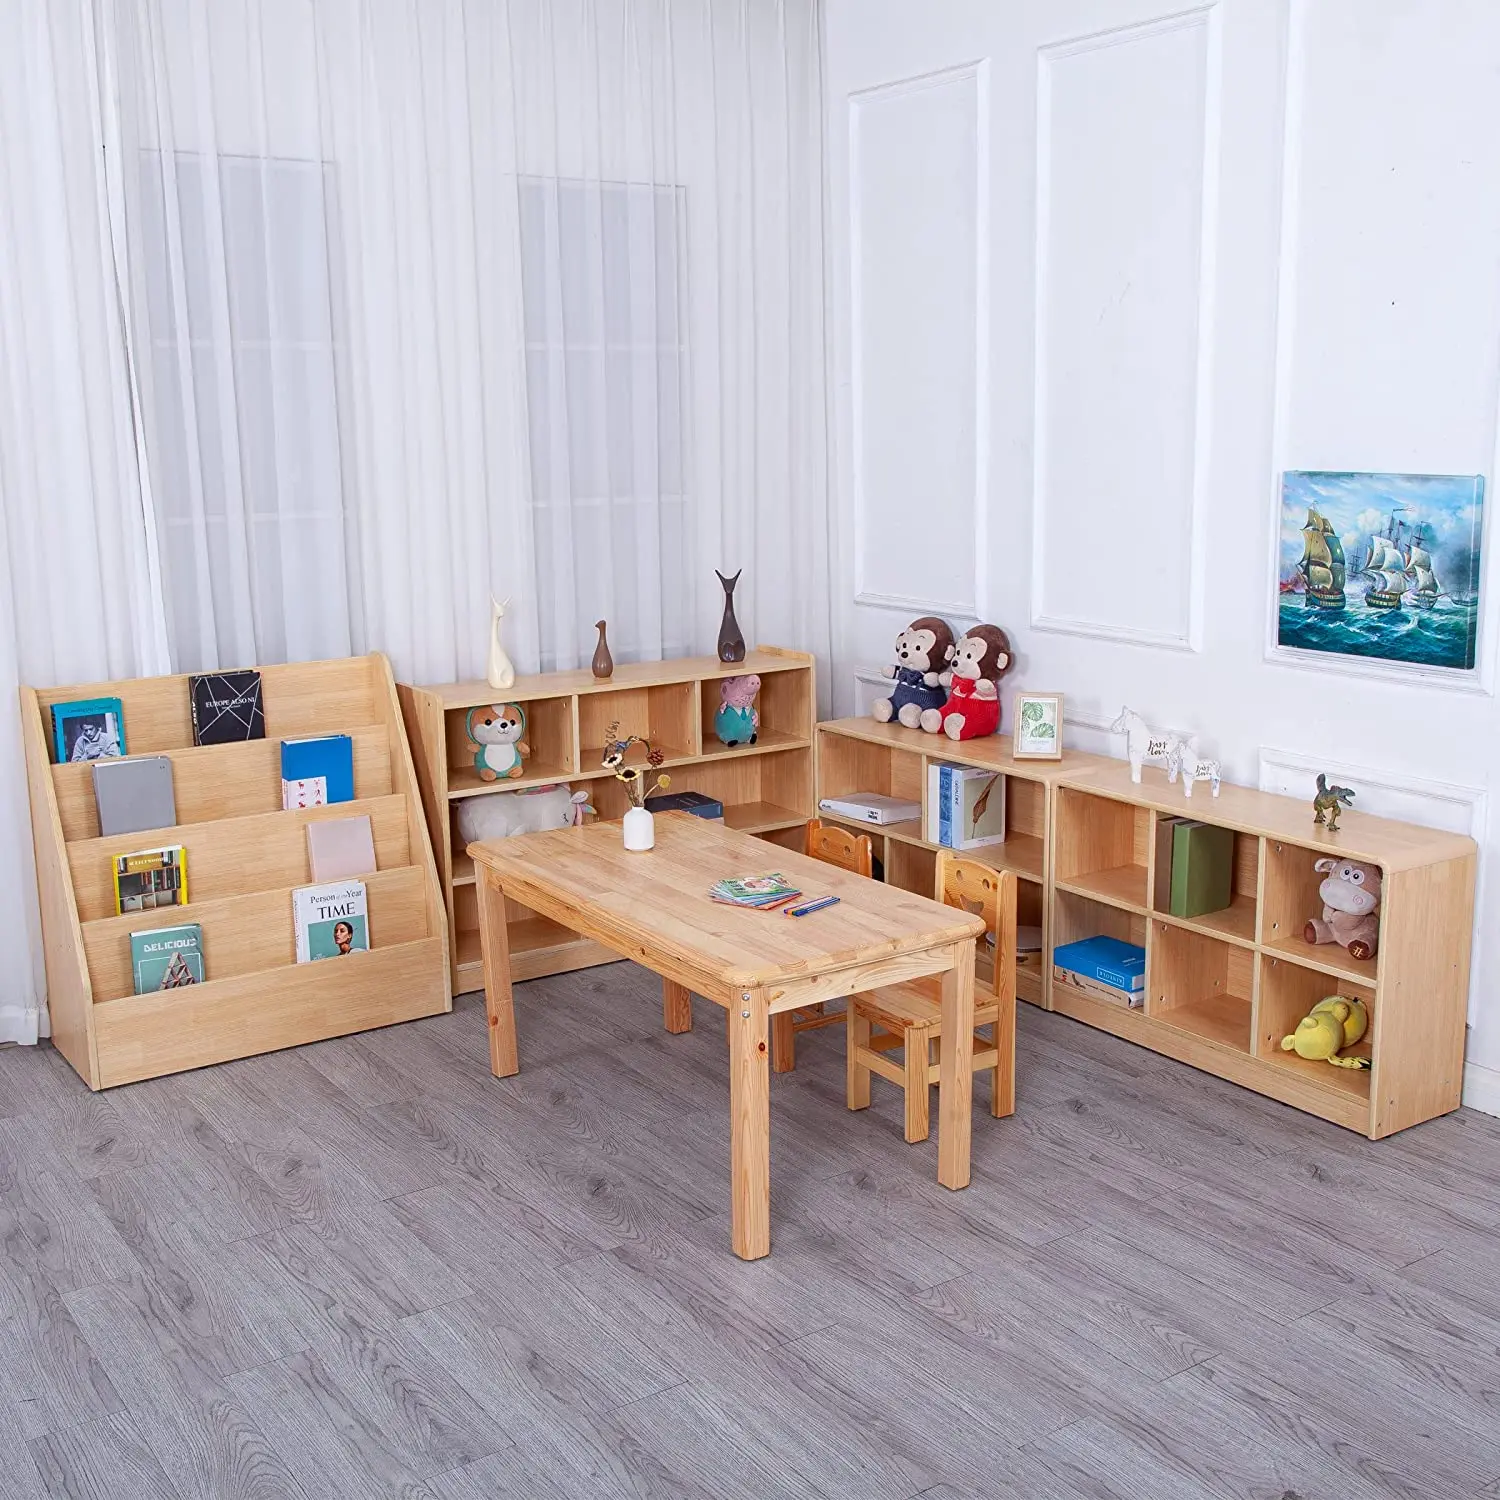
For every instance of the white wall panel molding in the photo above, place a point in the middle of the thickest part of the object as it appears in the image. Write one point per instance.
(1290, 445)
(1482, 1088)
(1125, 324)
(919, 273)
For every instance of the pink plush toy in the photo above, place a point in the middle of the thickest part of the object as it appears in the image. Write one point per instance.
(976, 664)
(1351, 907)
(738, 719)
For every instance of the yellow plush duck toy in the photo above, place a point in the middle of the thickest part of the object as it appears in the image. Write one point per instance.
(1332, 1025)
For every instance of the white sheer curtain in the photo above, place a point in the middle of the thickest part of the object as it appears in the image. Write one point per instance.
(322, 320)
(434, 300)
(74, 570)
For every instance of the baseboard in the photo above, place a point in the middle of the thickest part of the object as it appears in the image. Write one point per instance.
(1482, 1088)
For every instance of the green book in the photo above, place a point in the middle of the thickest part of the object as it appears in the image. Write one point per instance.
(1202, 868)
(167, 957)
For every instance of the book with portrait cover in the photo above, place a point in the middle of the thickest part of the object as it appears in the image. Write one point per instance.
(226, 707)
(330, 920)
(167, 957)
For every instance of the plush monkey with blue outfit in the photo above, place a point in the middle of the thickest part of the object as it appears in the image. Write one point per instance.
(921, 654)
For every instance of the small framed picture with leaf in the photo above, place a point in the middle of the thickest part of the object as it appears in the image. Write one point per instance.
(1037, 733)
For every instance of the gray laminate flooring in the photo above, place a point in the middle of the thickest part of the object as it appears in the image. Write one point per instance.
(366, 1268)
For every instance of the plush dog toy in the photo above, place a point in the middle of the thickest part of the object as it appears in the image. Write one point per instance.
(922, 650)
(497, 729)
(976, 664)
(1331, 1026)
(1351, 907)
(737, 719)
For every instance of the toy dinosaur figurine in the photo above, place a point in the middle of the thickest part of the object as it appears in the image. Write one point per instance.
(1331, 1025)
(1330, 802)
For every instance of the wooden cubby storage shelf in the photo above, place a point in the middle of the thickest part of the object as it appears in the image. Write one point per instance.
(245, 856)
(861, 755)
(1223, 988)
(766, 788)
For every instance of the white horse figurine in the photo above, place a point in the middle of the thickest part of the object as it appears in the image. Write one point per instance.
(501, 672)
(1142, 744)
(1194, 768)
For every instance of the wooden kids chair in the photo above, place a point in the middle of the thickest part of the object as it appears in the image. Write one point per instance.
(849, 851)
(908, 1016)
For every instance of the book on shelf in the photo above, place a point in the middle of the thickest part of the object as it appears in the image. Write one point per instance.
(1161, 890)
(698, 803)
(757, 891)
(965, 806)
(166, 958)
(88, 729)
(330, 920)
(149, 879)
(1104, 960)
(226, 707)
(340, 849)
(871, 807)
(1202, 868)
(317, 770)
(1134, 999)
(134, 794)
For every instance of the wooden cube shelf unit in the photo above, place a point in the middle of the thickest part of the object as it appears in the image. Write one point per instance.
(245, 855)
(766, 788)
(861, 755)
(1222, 989)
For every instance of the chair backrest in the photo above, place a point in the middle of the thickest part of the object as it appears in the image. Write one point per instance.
(991, 894)
(838, 846)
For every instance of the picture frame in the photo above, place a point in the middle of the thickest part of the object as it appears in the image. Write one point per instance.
(88, 729)
(1036, 732)
(1380, 573)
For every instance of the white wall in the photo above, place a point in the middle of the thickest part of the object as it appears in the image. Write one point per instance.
(1102, 270)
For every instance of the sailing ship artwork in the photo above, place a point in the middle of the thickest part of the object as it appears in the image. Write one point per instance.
(1381, 565)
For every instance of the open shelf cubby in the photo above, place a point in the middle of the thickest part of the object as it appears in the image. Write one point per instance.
(766, 788)
(245, 856)
(1288, 991)
(1102, 848)
(1200, 985)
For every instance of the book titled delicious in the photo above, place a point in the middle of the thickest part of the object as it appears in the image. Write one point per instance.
(167, 958)
(331, 920)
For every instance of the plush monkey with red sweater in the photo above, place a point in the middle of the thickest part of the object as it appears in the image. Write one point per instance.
(976, 663)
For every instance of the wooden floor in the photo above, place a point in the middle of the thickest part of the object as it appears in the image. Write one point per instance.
(366, 1268)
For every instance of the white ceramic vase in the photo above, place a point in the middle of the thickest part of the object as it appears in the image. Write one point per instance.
(640, 830)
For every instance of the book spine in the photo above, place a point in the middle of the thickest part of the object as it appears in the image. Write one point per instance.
(945, 815)
(934, 797)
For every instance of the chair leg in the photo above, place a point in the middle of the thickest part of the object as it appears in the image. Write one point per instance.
(1003, 1083)
(918, 1062)
(856, 1074)
(783, 1042)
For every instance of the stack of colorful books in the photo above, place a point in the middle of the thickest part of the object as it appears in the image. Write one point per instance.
(759, 891)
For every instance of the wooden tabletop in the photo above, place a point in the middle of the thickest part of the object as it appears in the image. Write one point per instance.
(659, 900)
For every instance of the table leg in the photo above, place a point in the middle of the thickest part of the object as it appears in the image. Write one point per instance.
(750, 1125)
(956, 1070)
(494, 944)
(676, 1007)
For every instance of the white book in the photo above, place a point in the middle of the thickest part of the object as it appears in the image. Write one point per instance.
(330, 920)
(871, 807)
(934, 802)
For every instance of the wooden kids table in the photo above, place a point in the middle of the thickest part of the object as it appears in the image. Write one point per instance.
(654, 908)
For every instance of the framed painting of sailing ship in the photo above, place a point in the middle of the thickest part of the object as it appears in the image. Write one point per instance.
(1383, 567)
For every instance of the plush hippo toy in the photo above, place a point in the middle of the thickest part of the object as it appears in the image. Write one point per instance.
(737, 721)
(922, 650)
(976, 663)
(1351, 907)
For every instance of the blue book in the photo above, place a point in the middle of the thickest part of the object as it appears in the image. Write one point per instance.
(945, 808)
(1106, 960)
(317, 771)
